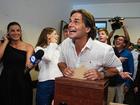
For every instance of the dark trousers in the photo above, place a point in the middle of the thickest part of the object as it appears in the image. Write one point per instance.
(132, 98)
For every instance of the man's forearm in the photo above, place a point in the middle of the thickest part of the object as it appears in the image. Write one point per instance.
(110, 36)
(126, 33)
(110, 71)
(62, 66)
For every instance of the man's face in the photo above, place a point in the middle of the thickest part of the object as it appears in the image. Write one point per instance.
(138, 42)
(65, 33)
(102, 36)
(119, 42)
(77, 28)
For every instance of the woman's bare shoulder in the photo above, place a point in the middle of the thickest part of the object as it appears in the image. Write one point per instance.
(28, 46)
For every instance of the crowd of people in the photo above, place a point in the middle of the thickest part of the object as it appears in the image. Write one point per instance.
(119, 61)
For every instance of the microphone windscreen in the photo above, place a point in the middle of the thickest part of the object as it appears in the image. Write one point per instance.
(37, 56)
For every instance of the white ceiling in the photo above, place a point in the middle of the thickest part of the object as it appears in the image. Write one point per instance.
(100, 1)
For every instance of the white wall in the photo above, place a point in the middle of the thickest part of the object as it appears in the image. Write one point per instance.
(128, 10)
(33, 15)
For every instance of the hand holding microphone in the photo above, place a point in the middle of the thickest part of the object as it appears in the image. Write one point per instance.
(35, 59)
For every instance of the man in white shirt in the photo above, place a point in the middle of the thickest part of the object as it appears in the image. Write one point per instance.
(81, 49)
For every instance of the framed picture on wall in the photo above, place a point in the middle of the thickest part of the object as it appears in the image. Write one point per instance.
(62, 24)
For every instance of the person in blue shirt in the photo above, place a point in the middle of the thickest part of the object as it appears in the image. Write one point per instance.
(123, 85)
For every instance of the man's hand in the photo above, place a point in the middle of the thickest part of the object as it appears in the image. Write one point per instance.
(122, 59)
(136, 89)
(68, 72)
(126, 75)
(93, 75)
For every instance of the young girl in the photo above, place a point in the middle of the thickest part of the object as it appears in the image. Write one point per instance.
(48, 69)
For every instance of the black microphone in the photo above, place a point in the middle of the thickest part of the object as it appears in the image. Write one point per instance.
(35, 58)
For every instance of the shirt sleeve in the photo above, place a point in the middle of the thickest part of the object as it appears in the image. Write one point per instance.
(130, 69)
(111, 60)
(49, 53)
(61, 57)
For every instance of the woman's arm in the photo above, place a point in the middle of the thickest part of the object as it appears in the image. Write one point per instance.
(3, 46)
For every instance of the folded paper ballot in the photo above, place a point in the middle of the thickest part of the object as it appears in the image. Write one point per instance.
(117, 104)
(79, 72)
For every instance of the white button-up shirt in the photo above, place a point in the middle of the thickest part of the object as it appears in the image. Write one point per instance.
(94, 55)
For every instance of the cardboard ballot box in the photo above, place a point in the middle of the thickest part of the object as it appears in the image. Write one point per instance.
(70, 91)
